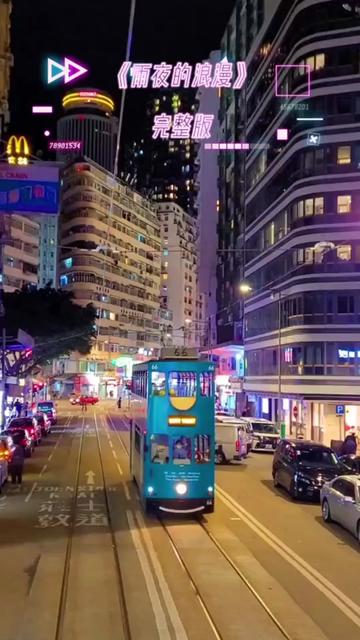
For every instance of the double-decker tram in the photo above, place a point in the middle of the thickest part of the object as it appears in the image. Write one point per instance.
(172, 433)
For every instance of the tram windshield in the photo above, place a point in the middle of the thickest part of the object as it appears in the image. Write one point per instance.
(182, 449)
(182, 384)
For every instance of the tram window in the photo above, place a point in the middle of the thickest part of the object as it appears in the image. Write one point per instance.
(181, 450)
(159, 448)
(158, 383)
(137, 439)
(202, 449)
(206, 384)
(182, 383)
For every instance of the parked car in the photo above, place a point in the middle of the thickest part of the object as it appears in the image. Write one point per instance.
(88, 399)
(352, 463)
(48, 407)
(20, 436)
(233, 439)
(302, 467)
(340, 501)
(5, 458)
(265, 434)
(74, 399)
(30, 425)
(44, 423)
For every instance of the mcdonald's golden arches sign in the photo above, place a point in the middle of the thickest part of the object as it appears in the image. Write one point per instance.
(17, 150)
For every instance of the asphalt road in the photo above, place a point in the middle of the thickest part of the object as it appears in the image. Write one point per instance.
(79, 559)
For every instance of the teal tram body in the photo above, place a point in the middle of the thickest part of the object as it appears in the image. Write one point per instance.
(172, 434)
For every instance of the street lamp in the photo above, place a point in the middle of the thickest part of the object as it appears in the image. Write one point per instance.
(245, 288)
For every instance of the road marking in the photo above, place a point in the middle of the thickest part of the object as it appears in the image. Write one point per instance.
(180, 632)
(90, 477)
(50, 456)
(31, 492)
(160, 618)
(43, 470)
(235, 518)
(111, 444)
(119, 468)
(118, 437)
(348, 607)
(114, 453)
(126, 491)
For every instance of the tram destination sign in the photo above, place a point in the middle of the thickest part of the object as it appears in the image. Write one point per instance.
(172, 353)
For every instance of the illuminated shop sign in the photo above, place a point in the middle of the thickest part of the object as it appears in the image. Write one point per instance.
(17, 150)
(65, 145)
(163, 75)
(69, 70)
(30, 189)
(348, 353)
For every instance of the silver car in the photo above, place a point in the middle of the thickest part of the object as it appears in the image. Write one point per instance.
(340, 501)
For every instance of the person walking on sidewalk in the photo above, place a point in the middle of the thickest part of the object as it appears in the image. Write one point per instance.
(16, 465)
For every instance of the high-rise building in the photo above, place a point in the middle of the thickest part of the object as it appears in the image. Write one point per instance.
(6, 62)
(244, 24)
(302, 243)
(112, 259)
(164, 169)
(48, 246)
(206, 175)
(179, 273)
(20, 251)
(89, 119)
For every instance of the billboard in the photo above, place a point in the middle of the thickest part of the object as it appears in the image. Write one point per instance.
(30, 189)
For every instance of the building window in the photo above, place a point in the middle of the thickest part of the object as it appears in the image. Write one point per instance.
(344, 155)
(345, 304)
(344, 252)
(343, 204)
(309, 207)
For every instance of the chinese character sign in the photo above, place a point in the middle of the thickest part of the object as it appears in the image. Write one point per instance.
(182, 126)
(162, 76)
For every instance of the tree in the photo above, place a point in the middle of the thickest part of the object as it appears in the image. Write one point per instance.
(56, 323)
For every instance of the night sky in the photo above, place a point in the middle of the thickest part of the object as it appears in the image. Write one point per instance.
(94, 32)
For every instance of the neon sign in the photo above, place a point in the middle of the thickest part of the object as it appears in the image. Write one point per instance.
(40, 109)
(17, 150)
(75, 98)
(182, 126)
(163, 75)
(70, 70)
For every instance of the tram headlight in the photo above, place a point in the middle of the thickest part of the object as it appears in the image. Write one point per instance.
(150, 490)
(210, 489)
(181, 488)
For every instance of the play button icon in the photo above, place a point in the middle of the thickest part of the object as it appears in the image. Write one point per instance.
(70, 70)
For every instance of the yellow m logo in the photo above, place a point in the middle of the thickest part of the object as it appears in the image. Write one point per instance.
(18, 150)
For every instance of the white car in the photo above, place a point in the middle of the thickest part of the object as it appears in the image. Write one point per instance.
(233, 440)
(265, 434)
(340, 502)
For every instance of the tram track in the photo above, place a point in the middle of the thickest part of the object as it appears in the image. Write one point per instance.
(69, 552)
(226, 557)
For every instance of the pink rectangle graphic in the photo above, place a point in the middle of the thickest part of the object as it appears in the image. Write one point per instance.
(222, 145)
(231, 145)
(215, 145)
(207, 145)
(44, 109)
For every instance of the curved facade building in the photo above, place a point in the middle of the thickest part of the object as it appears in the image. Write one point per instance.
(89, 119)
(301, 217)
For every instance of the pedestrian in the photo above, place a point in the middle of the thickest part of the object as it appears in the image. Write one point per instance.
(17, 405)
(119, 402)
(16, 465)
(26, 409)
(83, 404)
(349, 445)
